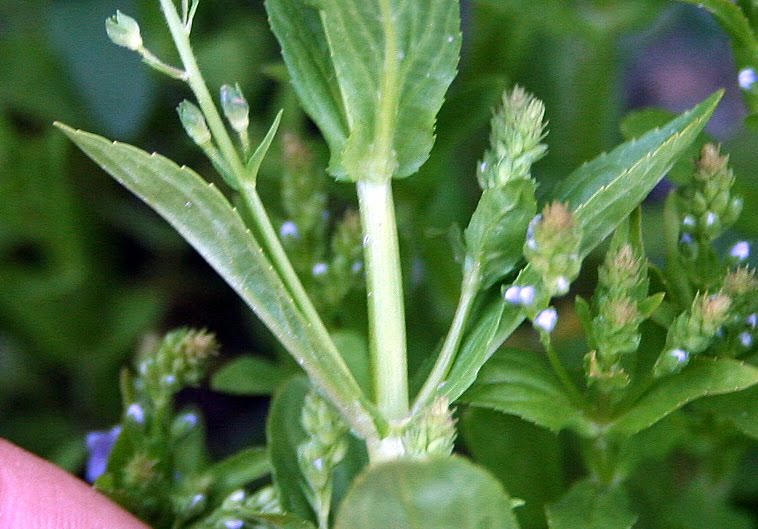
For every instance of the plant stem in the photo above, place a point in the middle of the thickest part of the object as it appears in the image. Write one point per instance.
(469, 289)
(385, 297)
(195, 79)
(560, 370)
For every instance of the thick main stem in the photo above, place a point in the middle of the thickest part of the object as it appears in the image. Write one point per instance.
(385, 298)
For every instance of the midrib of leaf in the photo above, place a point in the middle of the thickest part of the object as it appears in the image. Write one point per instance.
(388, 104)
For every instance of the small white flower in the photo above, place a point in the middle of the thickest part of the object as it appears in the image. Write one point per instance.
(357, 267)
(562, 284)
(546, 320)
(237, 496)
(680, 355)
(711, 218)
(289, 229)
(234, 524)
(136, 413)
(752, 320)
(747, 78)
(746, 339)
(526, 295)
(319, 269)
(196, 500)
(689, 221)
(740, 251)
(512, 294)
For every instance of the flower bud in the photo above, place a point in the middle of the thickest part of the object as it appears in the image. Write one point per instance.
(124, 31)
(552, 247)
(194, 123)
(432, 433)
(546, 320)
(236, 108)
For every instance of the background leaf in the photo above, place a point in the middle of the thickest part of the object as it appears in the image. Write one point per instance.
(248, 375)
(589, 506)
(705, 376)
(448, 493)
(740, 408)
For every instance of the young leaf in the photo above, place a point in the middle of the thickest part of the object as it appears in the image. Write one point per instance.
(703, 377)
(284, 434)
(590, 506)
(204, 217)
(248, 375)
(495, 235)
(448, 493)
(604, 192)
(392, 61)
(520, 383)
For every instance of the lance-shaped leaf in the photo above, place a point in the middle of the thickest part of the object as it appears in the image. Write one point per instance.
(204, 217)
(705, 376)
(391, 62)
(602, 192)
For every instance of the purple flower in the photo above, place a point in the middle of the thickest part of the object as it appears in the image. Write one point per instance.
(99, 445)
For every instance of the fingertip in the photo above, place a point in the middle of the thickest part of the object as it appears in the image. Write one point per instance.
(36, 493)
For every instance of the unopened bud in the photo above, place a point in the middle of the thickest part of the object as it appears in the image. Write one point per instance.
(124, 31)
(546, 320)
(194, 123)
(236, 108)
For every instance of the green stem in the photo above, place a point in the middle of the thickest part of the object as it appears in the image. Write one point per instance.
(271, 241)
(469, 289)
(385, 297)
(180, 34)
(560, 370)
(675, 273)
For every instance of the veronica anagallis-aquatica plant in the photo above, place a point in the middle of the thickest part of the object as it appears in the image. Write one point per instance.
(372, 75)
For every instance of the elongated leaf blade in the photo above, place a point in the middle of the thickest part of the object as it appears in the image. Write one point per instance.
(304, 47)
(739, 408)
(248, 375)
(393, 61)
(520, 383)
(590, 506)
(204, 217)
(603, 192)
(705, 376)
(444, 493)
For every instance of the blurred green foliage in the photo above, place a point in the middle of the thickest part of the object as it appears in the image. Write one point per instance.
(86, 270)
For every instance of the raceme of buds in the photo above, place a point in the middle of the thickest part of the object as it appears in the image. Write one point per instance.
(707, 205)
(623, 273)
(693, 331)
(180, 359)
(432, 433)
(552, 247)
(517, 130)
(324, 448)
(194, 123)
(124, 31)
(236, 108)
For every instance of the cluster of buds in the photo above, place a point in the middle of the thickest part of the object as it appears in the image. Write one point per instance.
(617, 307)
(432, 433)
(707, 206)
(517, 131)
(241, 510)
(693, 331)
(739, 334)
(552, 248)
(182, 359)
(318, 456)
